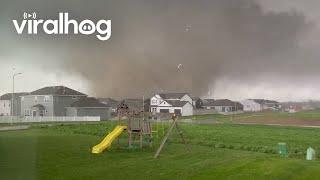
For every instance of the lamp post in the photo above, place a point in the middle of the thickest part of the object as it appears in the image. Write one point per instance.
(12, 96)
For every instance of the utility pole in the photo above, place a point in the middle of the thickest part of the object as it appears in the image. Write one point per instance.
(143, 107)
(12, 95)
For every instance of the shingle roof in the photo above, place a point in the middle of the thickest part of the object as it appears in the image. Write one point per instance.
(264, 101)
(223, 102)
(177, 103)
(8, 96)
(88, 102)
(39, 106)
(57, 90)
(208, 102)
(172, 95)
(195, 98)
(109, 101)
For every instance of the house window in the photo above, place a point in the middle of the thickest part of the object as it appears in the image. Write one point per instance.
(74, 97)
(46, 98)
(27, 112)
(41, 112)
(154, 101)
(154, 109)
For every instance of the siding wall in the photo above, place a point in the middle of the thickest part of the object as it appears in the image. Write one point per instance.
(54, 105)
(187, 110)
(61, 102)
(28, 101)
(5, 107)
(250, 106)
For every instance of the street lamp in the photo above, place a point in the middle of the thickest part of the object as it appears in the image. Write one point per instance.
(12, 96)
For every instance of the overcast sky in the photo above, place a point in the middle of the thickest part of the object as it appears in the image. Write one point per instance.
(233, 49)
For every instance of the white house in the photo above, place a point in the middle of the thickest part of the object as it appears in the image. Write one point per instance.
(5, 104)
(254, 105)
(179, 103)
(249, 105)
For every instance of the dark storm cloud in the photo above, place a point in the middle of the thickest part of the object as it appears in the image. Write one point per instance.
(211, 39)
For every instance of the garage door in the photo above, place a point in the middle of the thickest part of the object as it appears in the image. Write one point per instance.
(164, 110)
(177, 111)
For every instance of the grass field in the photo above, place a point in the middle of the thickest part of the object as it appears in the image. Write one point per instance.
(221, 151)
(259, 116)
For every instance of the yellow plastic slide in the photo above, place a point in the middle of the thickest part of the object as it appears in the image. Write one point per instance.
(106, 142)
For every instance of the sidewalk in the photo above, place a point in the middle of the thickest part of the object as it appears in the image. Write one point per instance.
(14, 128)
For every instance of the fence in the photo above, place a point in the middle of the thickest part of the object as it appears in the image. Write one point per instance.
(32, 119)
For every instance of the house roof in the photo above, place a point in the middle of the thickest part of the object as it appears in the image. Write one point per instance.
(195, 98)
(264, 101)
(177, 103)
(109, 101)
(172, 95)
(8, 96)
(39, 106)
(208, 102)
(88, 102)
(57, 90)
(223, 102)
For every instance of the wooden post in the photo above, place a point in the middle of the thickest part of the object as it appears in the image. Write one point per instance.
(174, 124)
(165, 139)
(182, 137)
(141, 138)
(118, 139)
(129, 132)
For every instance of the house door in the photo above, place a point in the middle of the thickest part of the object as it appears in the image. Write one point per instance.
(34, 113)
(223, 109)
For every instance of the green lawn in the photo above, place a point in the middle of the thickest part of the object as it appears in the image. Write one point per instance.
(223, 151)
(302, 115)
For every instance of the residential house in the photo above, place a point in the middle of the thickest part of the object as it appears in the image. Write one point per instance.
(226, 105)
(6, 101)
(291, 107)
(178, 103)
(49, 101)
(88, 106)
(249, 105)
(208, 103)
(255, 105)
(268, 104)
(110, 102)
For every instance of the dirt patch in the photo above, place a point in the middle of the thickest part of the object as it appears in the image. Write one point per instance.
(282, 122)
